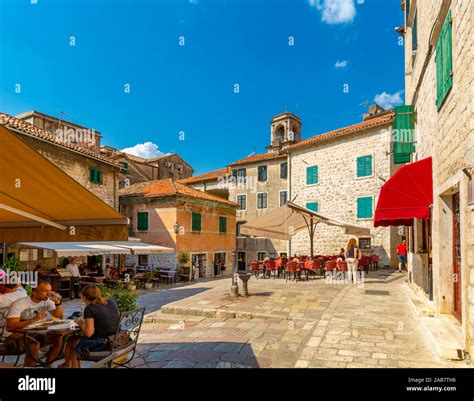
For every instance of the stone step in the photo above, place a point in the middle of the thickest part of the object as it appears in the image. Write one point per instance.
(160, 317)
(446, 342)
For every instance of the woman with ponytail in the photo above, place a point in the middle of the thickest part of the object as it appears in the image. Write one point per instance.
(101, 318)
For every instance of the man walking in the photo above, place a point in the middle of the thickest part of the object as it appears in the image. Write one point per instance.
(402, 255)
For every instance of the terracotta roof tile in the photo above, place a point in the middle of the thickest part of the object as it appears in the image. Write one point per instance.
(168, 187)
(258, 158)
(384, 119)
(211, 175)
(29, 129)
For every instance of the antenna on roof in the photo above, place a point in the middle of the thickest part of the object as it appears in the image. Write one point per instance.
(251, 154)
(61, 114)
(364, 103)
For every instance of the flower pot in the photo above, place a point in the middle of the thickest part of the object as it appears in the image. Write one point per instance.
(148, 286)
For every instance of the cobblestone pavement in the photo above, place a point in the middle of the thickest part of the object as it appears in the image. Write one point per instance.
(288, 324)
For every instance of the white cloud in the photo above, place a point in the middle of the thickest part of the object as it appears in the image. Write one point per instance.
(388, 101)
(193, 1)
(146, 150)
(341, 64)
(335, 11)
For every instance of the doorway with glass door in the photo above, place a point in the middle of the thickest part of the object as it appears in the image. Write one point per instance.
(219, 263)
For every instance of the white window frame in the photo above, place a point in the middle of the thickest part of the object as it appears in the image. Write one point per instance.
(261, 208)
(246, 202)
(279, 196)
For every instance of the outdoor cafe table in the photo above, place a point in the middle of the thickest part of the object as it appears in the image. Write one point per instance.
(49, 356)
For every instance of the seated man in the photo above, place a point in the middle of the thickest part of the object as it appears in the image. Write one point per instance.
(11, 293)
(28, 310)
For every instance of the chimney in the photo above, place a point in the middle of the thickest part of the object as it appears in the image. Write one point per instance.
(374, 111)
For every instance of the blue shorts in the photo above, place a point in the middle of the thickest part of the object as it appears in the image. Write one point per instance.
(402, 258)
(91, 344)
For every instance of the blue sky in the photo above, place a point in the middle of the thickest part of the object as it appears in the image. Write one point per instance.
(190, 88)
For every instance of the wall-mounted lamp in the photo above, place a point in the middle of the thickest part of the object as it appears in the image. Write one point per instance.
(176, 227)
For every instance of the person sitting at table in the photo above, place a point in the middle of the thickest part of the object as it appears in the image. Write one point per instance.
(28, 310)
(342, 256)
(11, 293)
(101, 318)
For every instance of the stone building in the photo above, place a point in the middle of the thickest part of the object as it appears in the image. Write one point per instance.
(213, 182)
(260, 184)
(169, 213)
(339, 174)
(439, 81)
(137, 169)
(95, 172)
(65, 131)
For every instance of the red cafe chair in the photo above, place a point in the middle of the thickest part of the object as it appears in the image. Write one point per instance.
(291, 267)
(255, 268)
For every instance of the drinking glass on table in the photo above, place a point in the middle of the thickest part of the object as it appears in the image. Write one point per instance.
(55, 297)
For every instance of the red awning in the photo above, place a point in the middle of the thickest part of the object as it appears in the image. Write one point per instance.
(406, 195)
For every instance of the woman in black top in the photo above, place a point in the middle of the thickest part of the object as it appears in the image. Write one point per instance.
(101, 319)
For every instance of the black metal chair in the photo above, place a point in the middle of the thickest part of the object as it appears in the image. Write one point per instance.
(4, 349)
(123, 342)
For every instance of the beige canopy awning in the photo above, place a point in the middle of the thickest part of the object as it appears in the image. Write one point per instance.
(40, 202)
(98, 248)
(285, 221)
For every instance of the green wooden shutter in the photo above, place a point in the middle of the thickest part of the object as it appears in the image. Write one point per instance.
(142, 221)
(364, 166)
(404, 137)
(124, 169)
(444, 62)
(312, 206)
(196, 222)
(222, 224)
(92, 175)
(312, 175)
(364, 207)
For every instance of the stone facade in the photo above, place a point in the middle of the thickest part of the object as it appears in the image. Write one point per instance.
(77, 166)
(166, 212)
(70, 132)
(339, 187)
(447, 135)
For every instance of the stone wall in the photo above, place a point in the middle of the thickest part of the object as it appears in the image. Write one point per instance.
(339, 187)
(448, 136)
(77, 166)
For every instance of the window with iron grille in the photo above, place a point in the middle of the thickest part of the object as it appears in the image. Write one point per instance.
(283, 198)
(262, 200)
(262, 173)
(365, 243)
(241, 175)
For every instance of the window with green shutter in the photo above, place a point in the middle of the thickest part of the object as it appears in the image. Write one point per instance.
(444, 62)
(312, 175)
(364, 207)
(312, 206)
(196, 222)
(222, 225)
(124, 169)
(364, 166)
(403, 134)
(142, 221)
(95, 175)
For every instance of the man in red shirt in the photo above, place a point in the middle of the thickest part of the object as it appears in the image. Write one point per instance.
(402, 255)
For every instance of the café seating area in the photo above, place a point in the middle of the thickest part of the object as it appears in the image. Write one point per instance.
(304, 267)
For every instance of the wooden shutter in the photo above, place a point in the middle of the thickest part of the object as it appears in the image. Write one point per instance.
(196, 221)
(312, 206)
(142, 221)
(444, 62)
(404, 126)
(222, 224)
(364, 207)
(312, 175)
(92, 175)
(364, 166)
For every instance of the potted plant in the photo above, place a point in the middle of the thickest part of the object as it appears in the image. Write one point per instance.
(183, 259)
(132, 286)
(148, 280)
